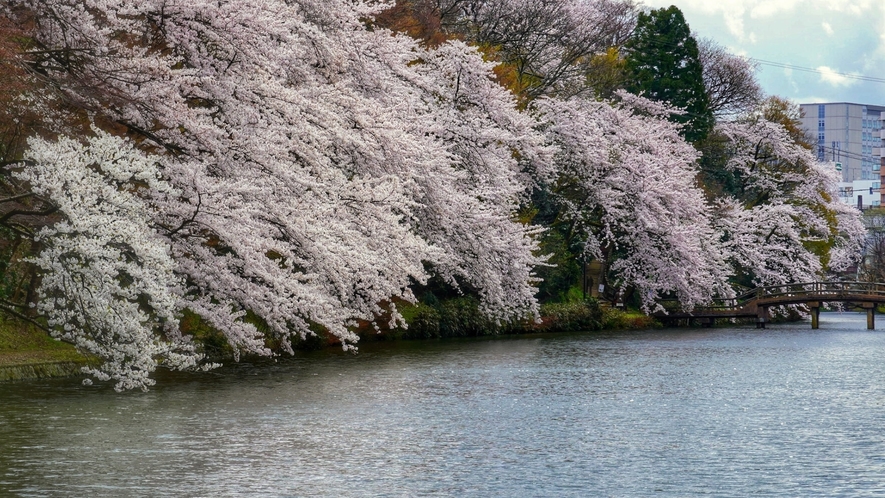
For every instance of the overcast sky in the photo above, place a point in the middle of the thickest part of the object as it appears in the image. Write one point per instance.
(827, 36)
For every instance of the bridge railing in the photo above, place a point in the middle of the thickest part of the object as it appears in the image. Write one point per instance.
(671, 305)
(822, 290)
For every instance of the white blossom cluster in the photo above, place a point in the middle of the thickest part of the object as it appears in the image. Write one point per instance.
(108, 280)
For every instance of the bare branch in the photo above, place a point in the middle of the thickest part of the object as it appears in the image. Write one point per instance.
(729, 79)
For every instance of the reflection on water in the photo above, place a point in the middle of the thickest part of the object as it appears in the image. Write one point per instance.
(787, 411)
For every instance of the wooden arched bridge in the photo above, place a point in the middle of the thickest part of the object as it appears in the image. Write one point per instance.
(755, 304)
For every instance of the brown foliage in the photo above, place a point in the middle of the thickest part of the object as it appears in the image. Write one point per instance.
(419, 19)
(782, 111)
(17, 119)
(539, 46)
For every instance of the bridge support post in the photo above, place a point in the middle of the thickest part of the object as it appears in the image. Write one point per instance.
(871, 315)
(761, 317)
(815, 314)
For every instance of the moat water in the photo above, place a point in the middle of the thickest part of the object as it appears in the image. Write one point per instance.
(787, 411)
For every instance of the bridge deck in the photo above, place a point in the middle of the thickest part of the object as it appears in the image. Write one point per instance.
(755, 303)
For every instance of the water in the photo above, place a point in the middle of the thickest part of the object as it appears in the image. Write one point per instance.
(682, 412)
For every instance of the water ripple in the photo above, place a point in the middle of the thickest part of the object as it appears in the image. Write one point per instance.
(722, 412)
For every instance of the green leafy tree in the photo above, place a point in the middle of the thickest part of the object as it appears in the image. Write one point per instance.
(663, 64)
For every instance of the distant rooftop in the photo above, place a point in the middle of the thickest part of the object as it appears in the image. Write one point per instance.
(872, 106)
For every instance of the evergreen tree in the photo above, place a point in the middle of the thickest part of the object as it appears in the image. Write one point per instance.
(663, 65)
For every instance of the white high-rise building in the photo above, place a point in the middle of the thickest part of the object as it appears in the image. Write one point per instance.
(850, 135)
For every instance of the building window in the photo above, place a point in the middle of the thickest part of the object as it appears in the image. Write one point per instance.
(821, 113)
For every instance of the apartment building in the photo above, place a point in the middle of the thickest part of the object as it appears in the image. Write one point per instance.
(850, 135)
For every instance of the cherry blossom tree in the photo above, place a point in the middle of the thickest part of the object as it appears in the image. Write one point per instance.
(626, 188)
(784, 223)
(316, 169)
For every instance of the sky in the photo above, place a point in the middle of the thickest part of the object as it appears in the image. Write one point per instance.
(819, 38)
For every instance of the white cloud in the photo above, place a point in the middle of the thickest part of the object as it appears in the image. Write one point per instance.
(771, 8)
(827, 28)
(735, 23)
(855, 7)
(829, 75)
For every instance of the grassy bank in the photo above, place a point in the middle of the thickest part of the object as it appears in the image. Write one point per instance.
(26, 352)
(461, 317)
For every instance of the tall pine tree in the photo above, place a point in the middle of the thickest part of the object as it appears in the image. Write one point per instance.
(663, 64)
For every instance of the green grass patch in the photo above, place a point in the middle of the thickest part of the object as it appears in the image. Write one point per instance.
(627, 319)
(26, 348)
(17, 336)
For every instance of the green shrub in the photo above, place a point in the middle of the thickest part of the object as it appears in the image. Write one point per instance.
(580, 315)
(456, 317)
(461, 317)
(622, 319)
(423, 321)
